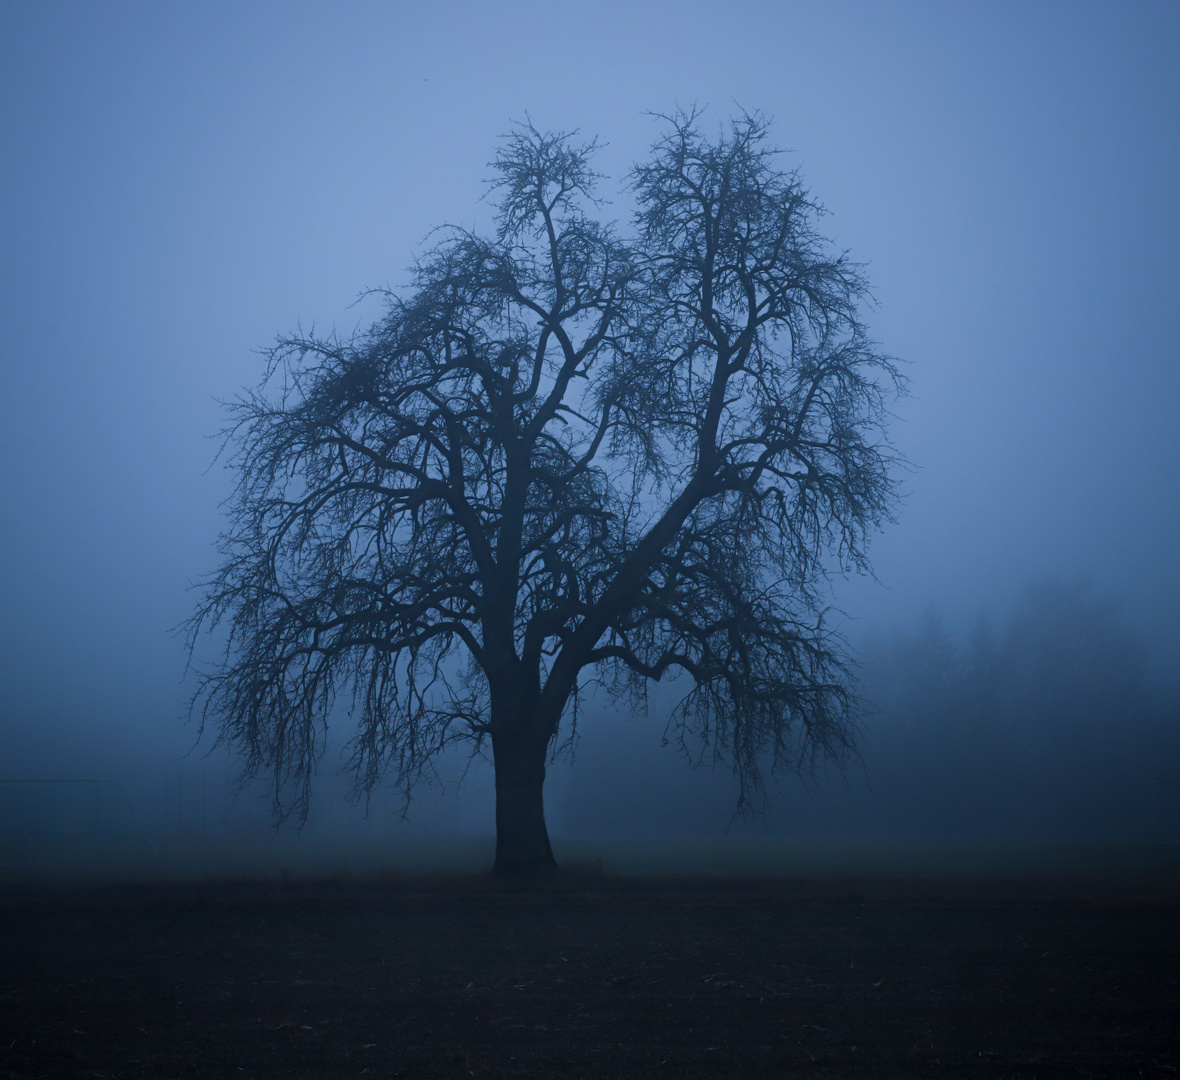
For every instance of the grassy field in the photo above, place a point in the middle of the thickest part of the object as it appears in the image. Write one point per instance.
(809, 960)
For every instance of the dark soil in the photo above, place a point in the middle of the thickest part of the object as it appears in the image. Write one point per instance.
(591, 978)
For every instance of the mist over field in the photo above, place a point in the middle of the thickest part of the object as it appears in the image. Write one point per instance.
(1045, 735)
(182, 184)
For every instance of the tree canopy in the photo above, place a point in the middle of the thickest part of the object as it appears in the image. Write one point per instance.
(568, 453)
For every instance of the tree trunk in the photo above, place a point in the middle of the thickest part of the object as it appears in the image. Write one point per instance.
(522, 841)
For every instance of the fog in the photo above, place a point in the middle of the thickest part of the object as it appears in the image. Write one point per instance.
(182, 183)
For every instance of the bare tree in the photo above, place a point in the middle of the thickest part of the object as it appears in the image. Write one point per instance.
(566, 456)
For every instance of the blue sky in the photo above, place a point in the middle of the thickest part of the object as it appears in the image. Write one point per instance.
(182, 182)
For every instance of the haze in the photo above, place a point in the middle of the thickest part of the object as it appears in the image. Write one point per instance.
(183, 182)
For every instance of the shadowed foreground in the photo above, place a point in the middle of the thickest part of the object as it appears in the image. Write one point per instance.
(593, 977)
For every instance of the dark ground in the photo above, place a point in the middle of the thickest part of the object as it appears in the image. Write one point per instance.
(592, 977)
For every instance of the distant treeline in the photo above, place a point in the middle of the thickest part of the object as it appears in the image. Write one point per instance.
(1051, 724)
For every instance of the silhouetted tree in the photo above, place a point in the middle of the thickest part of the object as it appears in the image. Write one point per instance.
(564, 455)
